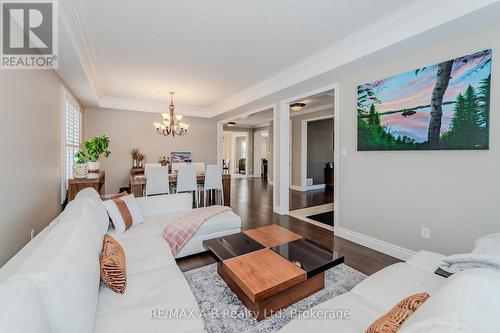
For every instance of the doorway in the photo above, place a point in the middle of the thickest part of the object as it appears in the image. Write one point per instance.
(312, 158)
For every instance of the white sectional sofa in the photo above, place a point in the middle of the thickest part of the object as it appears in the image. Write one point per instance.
(53, 283)
(466, 302)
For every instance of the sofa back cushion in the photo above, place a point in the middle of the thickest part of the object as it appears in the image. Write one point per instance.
(65, 269)
(22, 308)
(467, 302)
(102, 219)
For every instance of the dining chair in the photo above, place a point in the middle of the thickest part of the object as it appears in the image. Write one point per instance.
(148, 166)
(176, 166)
(200, 166)
(186, 181)
(213, 182)
(157, 181)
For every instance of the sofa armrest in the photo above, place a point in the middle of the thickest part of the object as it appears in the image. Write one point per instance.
(426, 260)
(165, 204)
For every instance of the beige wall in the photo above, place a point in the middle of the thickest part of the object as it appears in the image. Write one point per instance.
(297, 142)
(391, 195)
(130, 129)
(31, 155)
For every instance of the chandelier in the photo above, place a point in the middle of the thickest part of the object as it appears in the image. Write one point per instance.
(172, 124)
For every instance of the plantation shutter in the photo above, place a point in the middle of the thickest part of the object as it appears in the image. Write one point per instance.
(72, 136)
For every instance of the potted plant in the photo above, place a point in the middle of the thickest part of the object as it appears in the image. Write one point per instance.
(94, 149)
(80, 167)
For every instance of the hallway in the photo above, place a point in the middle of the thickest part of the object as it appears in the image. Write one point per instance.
(251, 198)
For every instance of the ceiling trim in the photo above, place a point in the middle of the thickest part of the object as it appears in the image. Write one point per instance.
(419, 17)
(71, 19)
(145, 106)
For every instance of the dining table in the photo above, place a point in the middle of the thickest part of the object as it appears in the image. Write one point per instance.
(137, 184)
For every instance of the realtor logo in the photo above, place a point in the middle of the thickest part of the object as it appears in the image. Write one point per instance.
(29, 34)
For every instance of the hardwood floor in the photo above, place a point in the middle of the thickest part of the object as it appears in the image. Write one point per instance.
(251, 198)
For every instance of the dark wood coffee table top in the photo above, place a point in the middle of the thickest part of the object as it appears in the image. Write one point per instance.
(270, 268)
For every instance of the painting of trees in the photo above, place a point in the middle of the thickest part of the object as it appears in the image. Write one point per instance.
(444, 106)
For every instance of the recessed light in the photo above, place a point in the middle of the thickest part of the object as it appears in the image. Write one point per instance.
(297, 106)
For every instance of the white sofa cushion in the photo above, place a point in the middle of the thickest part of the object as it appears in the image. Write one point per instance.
(165, 204)
(360, 314)
(97, 207)
(149, 227)
(467, 302)
(116, 216)
(22, 309)
(146, 252)
(390, 285)
(428, 261)
(159, 289)
(488, 245)
(65, 269)
(154, 225)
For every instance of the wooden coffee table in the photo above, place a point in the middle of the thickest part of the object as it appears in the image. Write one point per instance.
(270, 268)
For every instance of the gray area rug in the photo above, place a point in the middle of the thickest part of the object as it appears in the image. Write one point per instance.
(223, 312)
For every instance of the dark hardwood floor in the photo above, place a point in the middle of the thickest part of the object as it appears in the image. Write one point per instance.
(251, 198)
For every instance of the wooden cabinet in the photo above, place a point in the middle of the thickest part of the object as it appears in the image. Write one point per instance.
(94, 180)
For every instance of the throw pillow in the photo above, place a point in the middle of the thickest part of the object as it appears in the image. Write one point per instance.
(124, 213)
(392, 321)
(112, 265)
(113, 196)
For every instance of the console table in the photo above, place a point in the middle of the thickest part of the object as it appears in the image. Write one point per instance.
(94, 180)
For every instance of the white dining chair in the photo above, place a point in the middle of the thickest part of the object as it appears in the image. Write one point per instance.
(186, 181)
(200, 166)
(176, 166)
(213, 182)
(157, 181)
(148, 166)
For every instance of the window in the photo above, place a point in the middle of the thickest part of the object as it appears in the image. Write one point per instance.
(71, 133)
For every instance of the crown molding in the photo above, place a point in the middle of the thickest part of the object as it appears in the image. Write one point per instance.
(71, 20)
(145, 106)
(417, 18)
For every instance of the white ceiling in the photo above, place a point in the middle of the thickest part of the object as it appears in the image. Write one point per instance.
(131, 53)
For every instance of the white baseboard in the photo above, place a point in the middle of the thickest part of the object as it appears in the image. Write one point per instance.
(277, 209)
(307, 188)
(315, 187)
(297, 188)
(374, 243)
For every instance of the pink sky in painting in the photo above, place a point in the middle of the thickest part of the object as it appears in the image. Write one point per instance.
(419, 91)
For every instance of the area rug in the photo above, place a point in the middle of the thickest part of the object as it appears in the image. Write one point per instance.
(222, 311)
(325, 218)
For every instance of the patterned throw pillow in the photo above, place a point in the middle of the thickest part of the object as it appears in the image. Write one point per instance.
(112, 264)
(392, 321)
